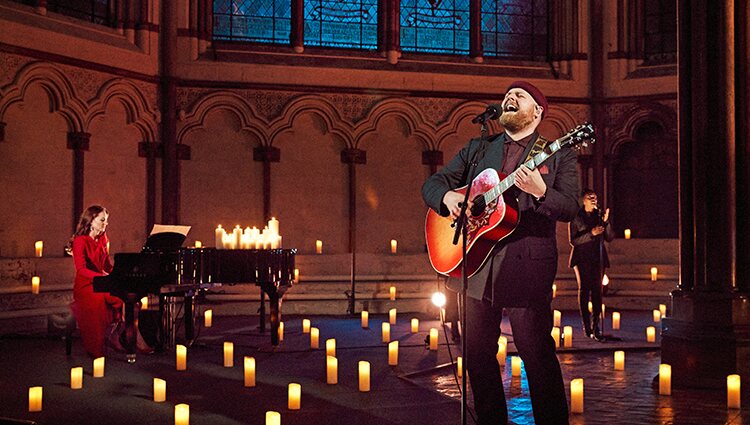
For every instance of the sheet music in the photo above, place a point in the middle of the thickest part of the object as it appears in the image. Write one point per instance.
(166, 228)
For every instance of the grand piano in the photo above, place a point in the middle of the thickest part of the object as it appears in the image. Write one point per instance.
(165, 269)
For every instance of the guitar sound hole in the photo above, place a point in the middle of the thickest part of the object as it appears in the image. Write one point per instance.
(478, 206)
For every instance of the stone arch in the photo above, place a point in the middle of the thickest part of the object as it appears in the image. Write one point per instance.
(462, 112)
(62, 95)
(561, 119)
(137, 110)
(250, 120)
(320, 107)
(401, 108)
(624, 130)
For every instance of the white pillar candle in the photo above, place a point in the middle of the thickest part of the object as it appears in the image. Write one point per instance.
(295, 396)
(249, 371)
(554, 290)
(181, 357)
(663, 309)
(332, 370)
(460, 366)
(198, 244)
(281, 331)
(604, 309)
(35, 399)
(228, 354)
(627, 233)
(665, 379)
(237, 237)
(733, 392)
(305, 326)
(556, 336)
(393, 353)
(76, 378)
(557, 318)
(650, 334)
(433, 339)
(99, 367)
(273, 226)
(208, 316)
(364, 376)
(392, 316)
(657, 316)
(654, 272)
(576, 395)
(273, 418)
(502, 350)
(515, 366)
(144, 303)
(331, 347)
(35, 281)
(392, 293)
(160, 390)
(314, 338)
(365, 320)
(568, 337)
(182, 414)
(394, 246)
(414, 325)
(219, 241)
(318, 247)
(615, 320)
(38, 248)
(386, 332)
(619, 360)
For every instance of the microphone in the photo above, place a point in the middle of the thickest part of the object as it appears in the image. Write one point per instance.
(492, 112)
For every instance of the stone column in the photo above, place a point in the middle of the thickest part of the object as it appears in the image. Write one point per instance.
(170, 193)
(2, 131)
(476, 53)
(433, 159)
(707, 335)
(266, 155)
(78, 142)
(351, 157)
(297, 33)
(150, 151)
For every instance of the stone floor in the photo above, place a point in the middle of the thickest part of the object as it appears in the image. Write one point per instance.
(420, 390)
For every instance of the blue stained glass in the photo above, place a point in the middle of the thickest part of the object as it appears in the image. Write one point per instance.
(260, 21)
(346, 24)
(433, 26)
(515, 29)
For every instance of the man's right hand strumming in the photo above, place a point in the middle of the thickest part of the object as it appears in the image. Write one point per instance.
(452, 201)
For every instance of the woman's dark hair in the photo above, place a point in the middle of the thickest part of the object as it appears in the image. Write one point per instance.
(84, 224)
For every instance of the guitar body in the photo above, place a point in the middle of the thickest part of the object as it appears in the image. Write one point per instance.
(494, 223)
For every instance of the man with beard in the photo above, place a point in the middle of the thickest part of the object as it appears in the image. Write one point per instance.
(519, 273)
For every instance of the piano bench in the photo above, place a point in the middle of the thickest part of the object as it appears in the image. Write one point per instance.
(62, 325)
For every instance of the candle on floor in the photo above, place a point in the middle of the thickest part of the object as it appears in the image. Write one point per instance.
(273, 418)
(615, 320)
(665, 379)
(433, 339)
(35, 399)
(76, 378)
(35, 281)
(314, 337)
(228, 354)
(654, 272)
(394, 246)
(502, 350)
(515, 366)
(38, 248)
(295, 396)
(99, 367)
(332, 370)
(393, 353)
(365, 319)
(657, 316)
(663, 309)
(144, 303)
(385, 330)
(557, 314)
(160, 390)
(181, 357)
(208, 317)
(568, 337)
(733, 392)
(305, 326)
(576, 395)
(281, 331)
(318, 247)
(296, 275)
(591, 307)
(182, 414)
(619, 360)
(650, 334)
(364, 376)
(554, 290)
(556, 336)
(627, 233)
(392, 316)
(249, 371)
(331, 347)
(460, 366)
(414, 325)
(392, 292)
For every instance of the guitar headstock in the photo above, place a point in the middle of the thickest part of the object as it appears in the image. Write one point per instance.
(579, 137)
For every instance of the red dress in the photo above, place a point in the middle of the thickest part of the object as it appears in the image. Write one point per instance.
(93, 310)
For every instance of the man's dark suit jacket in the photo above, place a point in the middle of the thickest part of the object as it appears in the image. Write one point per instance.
(522, 267)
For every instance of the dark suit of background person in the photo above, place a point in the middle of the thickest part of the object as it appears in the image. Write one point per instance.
(589, 259)
(518, 277)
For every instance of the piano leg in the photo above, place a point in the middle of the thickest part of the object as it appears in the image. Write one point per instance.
(130, 330)
(189, 317)
(262, 312)
(273, 302)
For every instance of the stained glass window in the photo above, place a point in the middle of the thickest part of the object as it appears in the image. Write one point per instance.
(349, 24)
(261, 21)
(515, 29)
(660, 41)
(97, 11)
(435, 26)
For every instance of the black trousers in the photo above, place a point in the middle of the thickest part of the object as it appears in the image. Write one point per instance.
(589, 276)
(532, 328)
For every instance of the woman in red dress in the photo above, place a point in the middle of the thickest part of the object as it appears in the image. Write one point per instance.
(94, 311)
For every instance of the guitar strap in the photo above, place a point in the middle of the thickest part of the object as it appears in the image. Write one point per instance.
(539, 145)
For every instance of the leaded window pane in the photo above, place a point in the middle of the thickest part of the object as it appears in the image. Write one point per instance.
(515, 29)
(260, 21)
(434, 26)
(349, 24)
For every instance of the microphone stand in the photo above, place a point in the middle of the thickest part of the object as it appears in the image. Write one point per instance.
(462, 231)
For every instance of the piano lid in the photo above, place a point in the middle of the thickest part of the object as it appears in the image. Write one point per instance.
(166, 238)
